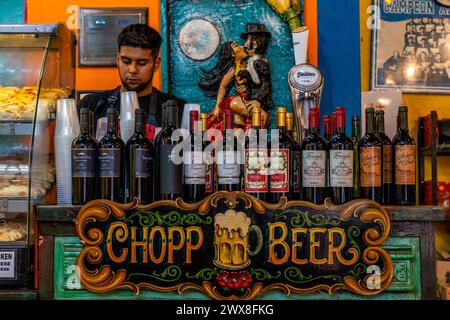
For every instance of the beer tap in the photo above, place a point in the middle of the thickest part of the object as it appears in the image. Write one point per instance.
(305, 85)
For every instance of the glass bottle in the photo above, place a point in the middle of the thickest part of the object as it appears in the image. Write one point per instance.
(388, 186)
(314, 158)
(405, 161)
(370, 149)
(341, 163)
(84, 163)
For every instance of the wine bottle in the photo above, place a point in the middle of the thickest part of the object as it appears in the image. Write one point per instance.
(256, 159)
(297, 156)
(281, 182)
(388, 185)
(168, 174)
(139, 151)
(333, 124)
(327, 128)
(341, 163)
(111, 161)
(370, 150)
(314, 156)
(228, 166)
(84, 159)
(211, 178)
(194, 168)
(405, 161)
(328, 135)
(356, 137)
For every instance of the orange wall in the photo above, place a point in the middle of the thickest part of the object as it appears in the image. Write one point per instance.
(52, 11)
(100, 78)
(311, 22)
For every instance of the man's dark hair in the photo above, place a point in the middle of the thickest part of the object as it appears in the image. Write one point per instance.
(140, 35)
(262, 42)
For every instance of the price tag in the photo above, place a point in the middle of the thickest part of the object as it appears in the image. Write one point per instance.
(7, 264)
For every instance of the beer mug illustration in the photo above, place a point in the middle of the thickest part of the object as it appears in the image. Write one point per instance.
(231, 234)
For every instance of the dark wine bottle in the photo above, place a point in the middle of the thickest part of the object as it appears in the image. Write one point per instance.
(211, 178)
(111, 161)
(356, 137)
(194, 168)
(281, 182)
(256, 160)
(168, 171)
(370, 150)
(405, 161)
(388, 185)
(333, 124)
(139, 150)
(314, 156)
(297, 156)
(84, 159)
(327, 128)
(341, 163)
(229, 169)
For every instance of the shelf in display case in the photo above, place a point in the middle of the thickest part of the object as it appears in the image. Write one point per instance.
(16, 127)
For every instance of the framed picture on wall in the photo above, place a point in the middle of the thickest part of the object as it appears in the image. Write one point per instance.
(411, 46)
(99, 28)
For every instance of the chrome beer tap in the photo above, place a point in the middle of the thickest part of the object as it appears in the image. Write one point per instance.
(305, 85)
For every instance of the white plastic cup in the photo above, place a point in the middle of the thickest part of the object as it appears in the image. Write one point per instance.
(67, 129)
(63, 158)
(67, 122)
(300, 43)
(128, 104)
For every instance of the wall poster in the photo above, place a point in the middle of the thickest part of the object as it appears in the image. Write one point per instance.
(411, 46)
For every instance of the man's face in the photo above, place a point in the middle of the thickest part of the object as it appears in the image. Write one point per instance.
(136, 67)
(250, 45)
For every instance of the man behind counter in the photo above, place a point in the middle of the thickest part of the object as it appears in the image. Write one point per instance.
(137, 62)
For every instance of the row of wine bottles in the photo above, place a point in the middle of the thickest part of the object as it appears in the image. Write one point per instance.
(312, 170)
(387, 169)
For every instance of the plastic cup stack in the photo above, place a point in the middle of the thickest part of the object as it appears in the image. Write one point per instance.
(67, 129)
(128, 104)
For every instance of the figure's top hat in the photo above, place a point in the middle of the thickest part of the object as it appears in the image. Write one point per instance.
(255, 28)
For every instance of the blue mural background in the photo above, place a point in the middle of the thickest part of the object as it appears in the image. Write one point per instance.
(230, 17)
(12, 11)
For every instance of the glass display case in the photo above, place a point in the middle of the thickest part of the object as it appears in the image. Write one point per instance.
(37, 67)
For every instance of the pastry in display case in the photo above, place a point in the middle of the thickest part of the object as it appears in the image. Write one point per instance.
(37, 67)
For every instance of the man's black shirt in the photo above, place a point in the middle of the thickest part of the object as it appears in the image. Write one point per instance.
(101, 101)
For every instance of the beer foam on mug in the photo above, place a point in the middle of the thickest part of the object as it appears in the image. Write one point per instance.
(232, 220)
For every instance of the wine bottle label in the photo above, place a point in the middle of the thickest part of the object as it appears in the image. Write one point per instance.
(279, 170)
(109, 162)
(370, 166)
(83, 162)
(405, 165)
(296, 171)
(170, 181)
(144, 163)
(229, 180)
(387, 164)
(341, 168)
(313, 164)
(209, 178)
(192, 180)
(255, 170)
(229, 171)
(194, 170)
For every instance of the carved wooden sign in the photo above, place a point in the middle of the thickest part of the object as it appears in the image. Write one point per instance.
(233, 246)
